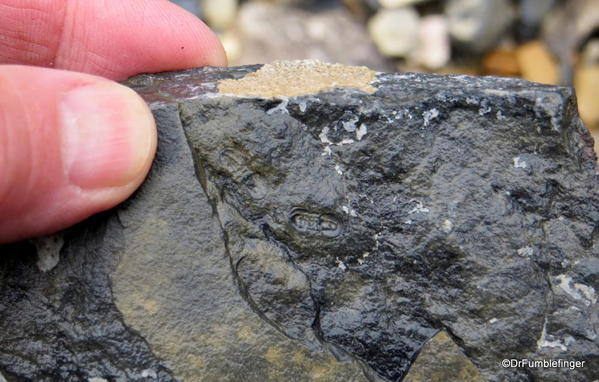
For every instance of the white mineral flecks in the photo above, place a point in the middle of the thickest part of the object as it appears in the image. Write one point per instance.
(350, 126)
(550, 105)
(519, 162)
(97, 379)
(429, 115)
(577, 291)
(340, 264)
(362, 260)
(324, 136)
(526, 251)
(549, 341)
(484, 107)
(345, 142)
(281, 107)
(447, 226)
(419, 207)
(361, 132)
(350, 211)
(149, 373)
(471, 100)
(48, 251)
(302, 106)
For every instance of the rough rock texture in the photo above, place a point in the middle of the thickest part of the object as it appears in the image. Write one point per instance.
(441, 360)
(421, 228)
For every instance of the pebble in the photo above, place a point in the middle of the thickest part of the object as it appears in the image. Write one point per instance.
(531, 14)
(434, 50)
(231, 44)
(537, 64)
(477, 25)
(501, 62)
(219, 14)
(398, 3)
(395, 31)
(586, 81)
(586, 19)
(590, 53)
(271, 32)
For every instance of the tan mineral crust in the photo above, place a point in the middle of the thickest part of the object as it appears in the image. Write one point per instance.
(294, 78)
(441, 360)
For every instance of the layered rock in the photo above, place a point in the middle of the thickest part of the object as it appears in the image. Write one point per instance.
(357, 227)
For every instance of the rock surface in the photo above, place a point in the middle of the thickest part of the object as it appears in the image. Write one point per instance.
(408, 227)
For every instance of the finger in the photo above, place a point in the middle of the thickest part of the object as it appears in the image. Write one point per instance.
(110, 38)
(71, 145)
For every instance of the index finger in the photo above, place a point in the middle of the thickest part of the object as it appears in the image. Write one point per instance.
(110, 38)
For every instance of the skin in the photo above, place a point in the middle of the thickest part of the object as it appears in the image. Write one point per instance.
(72, 141)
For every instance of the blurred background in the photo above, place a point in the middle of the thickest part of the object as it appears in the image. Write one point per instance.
(547, 41)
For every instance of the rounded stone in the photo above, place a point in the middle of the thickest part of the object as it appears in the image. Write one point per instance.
(219, 14)
(395, 31)
(478, 24)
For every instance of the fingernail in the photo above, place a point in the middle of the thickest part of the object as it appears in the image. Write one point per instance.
(109, 135)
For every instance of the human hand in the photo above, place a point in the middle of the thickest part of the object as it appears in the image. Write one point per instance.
(73, 144)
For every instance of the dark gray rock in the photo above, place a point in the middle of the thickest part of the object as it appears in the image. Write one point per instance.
(189, 5)
(478, 25)
(531, 14)
(327, 237)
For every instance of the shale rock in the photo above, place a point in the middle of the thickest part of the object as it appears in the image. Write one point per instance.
(362, 227)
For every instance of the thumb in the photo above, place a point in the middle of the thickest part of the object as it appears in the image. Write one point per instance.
(71, 145)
